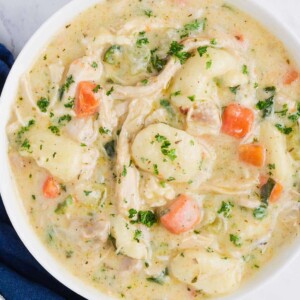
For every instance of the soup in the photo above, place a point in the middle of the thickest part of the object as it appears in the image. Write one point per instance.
(155, 146)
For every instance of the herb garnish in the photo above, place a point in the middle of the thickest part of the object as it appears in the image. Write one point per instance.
(62, 207)
(66, 86)
(43, 104)
(284, 129)
(142, 40)
(176, 50)
(109, 54)
(226, 209)
(236, 240)
(148, 218)
(159, 279)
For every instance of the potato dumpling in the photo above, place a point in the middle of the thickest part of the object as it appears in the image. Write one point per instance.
(206, 271)
(168, 153)
(58, 154)
(194, 80)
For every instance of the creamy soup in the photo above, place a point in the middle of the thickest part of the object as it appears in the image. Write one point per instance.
(156, 147)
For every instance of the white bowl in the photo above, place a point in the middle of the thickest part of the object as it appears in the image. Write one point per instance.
(13, 201)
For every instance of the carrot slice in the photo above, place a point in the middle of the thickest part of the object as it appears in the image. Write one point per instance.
(86, 103)
(51, 188)
(290, 77)
(276, 191)
(237, 120)
(252, 154)
(181, 216)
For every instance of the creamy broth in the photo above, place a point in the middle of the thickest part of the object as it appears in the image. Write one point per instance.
(155, 145)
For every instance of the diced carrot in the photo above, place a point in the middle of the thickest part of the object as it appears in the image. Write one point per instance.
(51, 188)
(181, 216)
(86, 103)
(252, 154)
(290, 77)
(237, 120)
(276, 191)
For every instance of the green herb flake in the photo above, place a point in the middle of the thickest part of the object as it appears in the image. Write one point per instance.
(157, 63)
(124, 172)
(109, 54)
(193, 26)
(192, 98)
(226, 209)
(208, 64)
(155, 168)
(26, 128)
(236, 240)
(43, 104)
(54, 129)
(202, 50)
(87, 193)
(284, 129)
(137, 235)
(110, 91)
(142, 40)
(70, 104)
(147, 218)
(103, 130)
(176, 50)
(64, 119)
(94, 65)
(97, 88)
(260, 212)
(234, 89)
(66, 86)
(62, 207)
(213, 42)
(148, 13)
(26, 145)
(245, 70)
(159, 279)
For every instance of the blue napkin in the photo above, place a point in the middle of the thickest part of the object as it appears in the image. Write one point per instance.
(21, 276)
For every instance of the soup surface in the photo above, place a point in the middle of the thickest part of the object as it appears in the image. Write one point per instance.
(156, 147)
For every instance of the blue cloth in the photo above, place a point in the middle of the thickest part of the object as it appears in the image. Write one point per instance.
(21, 276)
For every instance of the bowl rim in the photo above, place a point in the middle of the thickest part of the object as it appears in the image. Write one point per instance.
(11, 198)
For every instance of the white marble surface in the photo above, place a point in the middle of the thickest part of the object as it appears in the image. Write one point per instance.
(20, 18)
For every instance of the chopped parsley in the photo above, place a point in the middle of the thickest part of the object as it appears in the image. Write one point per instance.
(177, 93)
(157, 63)
(245, 70)
(43, 104)
(94, 65)
(284, 129)
(110, 91)
(124, 172)
(87, 193)
(26, 128)
(26, 145)
(144, 81)
(193, 26)
(66, 86)
(176, 50)
(62, 207)
(294, 118)
(155, 167)
(213, 42)
(192, 98)
(137, 235)
(148, 13)
(165, 147)
(54, 129)
(70, 104)
(142, 40)
(109, 54)
(266, 105)
(103, 130)
(226, 209)
(202, 50)
(64, 119)
(283, 112)
(236, 240)
(260, 212)
(97, 88)
(147, 218)
(159, 279)
(234, 89)
(208, 64)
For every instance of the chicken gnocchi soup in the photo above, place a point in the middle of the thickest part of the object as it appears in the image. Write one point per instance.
(156, 147)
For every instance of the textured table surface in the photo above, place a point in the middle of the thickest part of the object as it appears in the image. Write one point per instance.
(18, 21)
